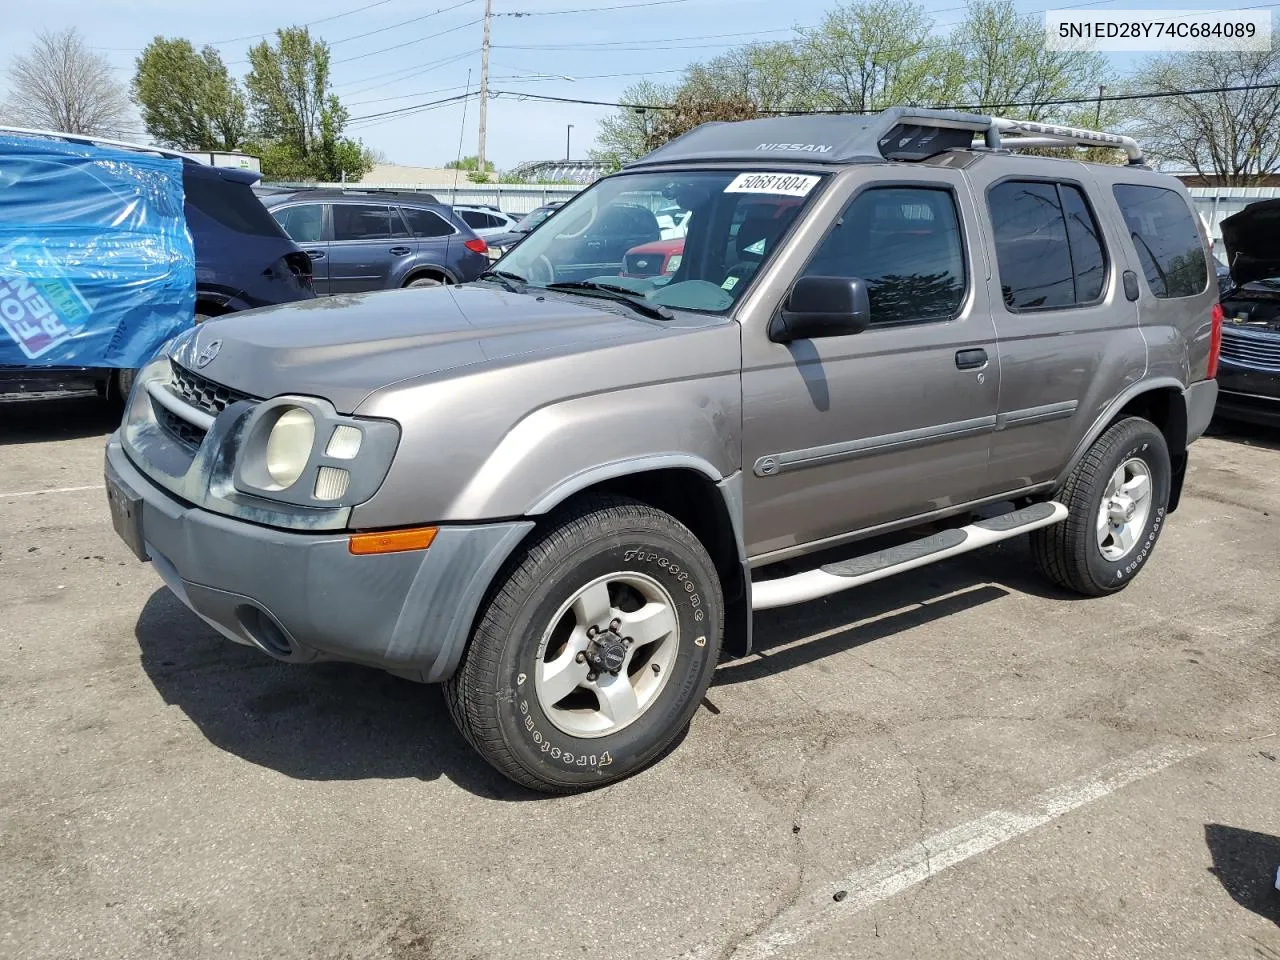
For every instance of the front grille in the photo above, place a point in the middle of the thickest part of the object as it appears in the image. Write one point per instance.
(1258, 351)
(188, 434)
(643, 264)
(202, 392)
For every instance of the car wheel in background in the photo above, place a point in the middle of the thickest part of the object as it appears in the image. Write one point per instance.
(425, 282)
(593, 650)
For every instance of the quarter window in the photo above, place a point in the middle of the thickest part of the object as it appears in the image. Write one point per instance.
(1048, 246)
(905, 243)
(1165, 238)
(424, 223)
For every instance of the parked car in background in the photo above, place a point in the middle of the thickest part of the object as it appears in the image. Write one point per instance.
(371, 241)
(485, 221)
(1249, 374)
(242, 257)
(500, 243)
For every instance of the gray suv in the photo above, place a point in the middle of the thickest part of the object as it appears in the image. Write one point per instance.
(562, 491)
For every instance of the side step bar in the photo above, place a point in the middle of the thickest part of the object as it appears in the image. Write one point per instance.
(834, 577)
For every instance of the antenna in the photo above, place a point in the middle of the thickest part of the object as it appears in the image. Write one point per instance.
(462, 131)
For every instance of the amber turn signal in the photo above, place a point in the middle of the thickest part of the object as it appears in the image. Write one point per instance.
(392, 541)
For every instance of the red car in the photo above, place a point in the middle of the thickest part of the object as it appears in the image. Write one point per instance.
(653, 259)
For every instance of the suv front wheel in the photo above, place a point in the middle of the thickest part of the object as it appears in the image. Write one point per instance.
(1116, 498)
(593, 650)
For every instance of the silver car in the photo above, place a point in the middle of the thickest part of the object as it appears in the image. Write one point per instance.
(562, 491)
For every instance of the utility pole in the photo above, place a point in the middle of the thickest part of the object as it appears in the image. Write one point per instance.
(1102, 92)
(568, 131)
(484, 84)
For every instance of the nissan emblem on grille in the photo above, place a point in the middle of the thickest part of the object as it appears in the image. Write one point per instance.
(209, 351)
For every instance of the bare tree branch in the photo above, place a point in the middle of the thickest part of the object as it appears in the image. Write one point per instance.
(63, 85)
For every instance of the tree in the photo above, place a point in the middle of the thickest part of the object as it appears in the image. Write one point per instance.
(189, 100)
(695, 105)
(1232, 136)
(298, 121)
(471, 163)
(877, 54)
(63, 85)
(1004, 62)
(624, 136)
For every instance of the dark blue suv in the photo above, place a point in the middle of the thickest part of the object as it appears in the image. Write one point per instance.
(378, 241)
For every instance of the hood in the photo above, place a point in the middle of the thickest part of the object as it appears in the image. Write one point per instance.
(660, 246)
(343, 348)
(1252, 241)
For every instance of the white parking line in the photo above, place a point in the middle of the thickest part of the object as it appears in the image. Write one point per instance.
(36, 493)
(917, 863)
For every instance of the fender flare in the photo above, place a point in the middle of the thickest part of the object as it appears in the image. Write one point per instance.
(1099, 425)
(620, 468)
(417, 268)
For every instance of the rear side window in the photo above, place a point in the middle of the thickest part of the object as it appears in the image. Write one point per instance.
(304, 223)
(479, 221)
(425, 223)
(1165, 238)
(1048, 249)
(355, 221)
(234, 205)
(905, 243)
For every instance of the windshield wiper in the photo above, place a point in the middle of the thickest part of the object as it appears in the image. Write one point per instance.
(511, 282)
(620, 294)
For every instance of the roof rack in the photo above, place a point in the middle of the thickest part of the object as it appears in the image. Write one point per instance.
(996, 132)
(900, 133)
(92, 141)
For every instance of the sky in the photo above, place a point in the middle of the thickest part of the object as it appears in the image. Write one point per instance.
(389, 54)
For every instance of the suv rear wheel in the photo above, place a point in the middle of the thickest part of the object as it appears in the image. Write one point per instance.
(593, 650)
(1116, 500)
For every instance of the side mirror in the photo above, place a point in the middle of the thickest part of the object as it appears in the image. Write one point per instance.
(822, 307)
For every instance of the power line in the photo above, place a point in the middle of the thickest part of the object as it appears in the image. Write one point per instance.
(620, 6)
(409, 43)
(402, 23)
(405, 73)
(416, 108)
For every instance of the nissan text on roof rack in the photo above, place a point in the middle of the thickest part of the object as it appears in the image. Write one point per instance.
(562, 490)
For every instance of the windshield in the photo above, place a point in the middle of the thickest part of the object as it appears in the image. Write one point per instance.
(690, 240)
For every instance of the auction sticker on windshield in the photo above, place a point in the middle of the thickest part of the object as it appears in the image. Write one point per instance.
(785, 184)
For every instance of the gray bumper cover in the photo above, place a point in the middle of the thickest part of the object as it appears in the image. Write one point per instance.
(1201, 397)
(410, 612)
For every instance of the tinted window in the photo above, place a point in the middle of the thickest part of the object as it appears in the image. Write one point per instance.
(424, 223)
(1165, 238)
(1047, 245)
(233, 205)
(304, 223)
(905, 243)
(354, 221)
(479, 221)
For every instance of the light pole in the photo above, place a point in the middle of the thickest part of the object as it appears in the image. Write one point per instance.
(567, 133)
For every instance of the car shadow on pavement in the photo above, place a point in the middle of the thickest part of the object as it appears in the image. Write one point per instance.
(64, 418)
(326, 721)
(1245, 863)
(1249, 434)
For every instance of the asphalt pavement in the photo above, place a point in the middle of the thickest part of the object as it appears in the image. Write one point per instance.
(962, 762)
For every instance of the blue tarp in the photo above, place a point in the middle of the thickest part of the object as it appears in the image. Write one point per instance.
(97, 267)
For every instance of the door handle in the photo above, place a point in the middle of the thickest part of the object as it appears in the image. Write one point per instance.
(971, 359)
(399, 251)
(315, 254)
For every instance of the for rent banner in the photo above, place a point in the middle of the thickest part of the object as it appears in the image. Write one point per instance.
(96, 263)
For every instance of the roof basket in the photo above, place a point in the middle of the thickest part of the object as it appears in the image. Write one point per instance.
(914, 134)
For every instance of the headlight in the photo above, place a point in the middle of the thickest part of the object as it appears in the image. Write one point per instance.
(299, 450)
(289, 446)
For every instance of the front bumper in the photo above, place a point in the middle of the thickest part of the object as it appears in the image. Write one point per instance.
(304, 597)
(1248, 394)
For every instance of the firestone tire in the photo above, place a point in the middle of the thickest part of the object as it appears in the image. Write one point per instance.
(631, 572)
(1111, 529)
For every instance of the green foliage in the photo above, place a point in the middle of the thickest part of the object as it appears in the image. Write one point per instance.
(471, 163)
(188, 100)
(625, 136)
(297, 121)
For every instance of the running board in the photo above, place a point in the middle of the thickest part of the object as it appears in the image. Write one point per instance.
(834, 577)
